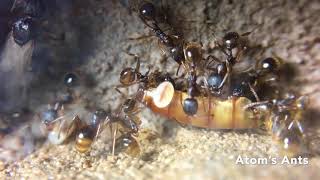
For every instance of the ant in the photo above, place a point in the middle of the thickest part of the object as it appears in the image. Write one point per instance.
(129, 121)
(130, 76)
(193, 57)
(62, 125)
(223, 69)
(173, 42)
(265, 72)
(24, 27)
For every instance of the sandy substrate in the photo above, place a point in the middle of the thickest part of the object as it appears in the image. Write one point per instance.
(96, 41)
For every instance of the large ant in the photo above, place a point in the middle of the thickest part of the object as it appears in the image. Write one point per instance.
(223, 69)
(174, 42)
(247, 84)
(130, 76)
(61, 125)
(29, 12)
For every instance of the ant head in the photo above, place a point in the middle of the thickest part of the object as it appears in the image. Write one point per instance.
(230, 40)
(190, 106)
(192, 52)
(128, 76)
(269, 65)
(147, 11)
(22, 30)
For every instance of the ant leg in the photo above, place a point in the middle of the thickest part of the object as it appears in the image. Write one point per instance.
(137, 58)
(161, 47)
(213, 59)
(178, 70)
(118, 90)
(140, 37)
(255, 104)
(254, 92)
(76, 122)
(114, 140)
(224, 78)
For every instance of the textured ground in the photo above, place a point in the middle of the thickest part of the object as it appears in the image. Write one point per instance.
(96, 43)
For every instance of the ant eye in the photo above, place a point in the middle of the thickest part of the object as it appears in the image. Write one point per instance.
(127, 76)
(147, 10)
(190, 106)
(70, 80)
(230, 40)
(22, 31)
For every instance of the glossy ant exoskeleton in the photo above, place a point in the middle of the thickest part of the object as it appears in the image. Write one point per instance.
(29, 11)
(130, 76)
(223, 69)
(248, 83)
(173, 42)
(23, 30)
(61, 125)
(193, 63)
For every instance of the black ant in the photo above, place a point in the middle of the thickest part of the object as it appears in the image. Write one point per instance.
(223, 69)
(173, 42)
(29, 11)
(246, 84)
(193, 57)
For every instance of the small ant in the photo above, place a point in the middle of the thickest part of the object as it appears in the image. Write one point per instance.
(22, 30)
(60, 125)
(29, 11)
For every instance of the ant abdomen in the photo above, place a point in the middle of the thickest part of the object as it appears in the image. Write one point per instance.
(190, 106)
(128, 144)
(84, 139)
(214, 80)
(23, 30)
